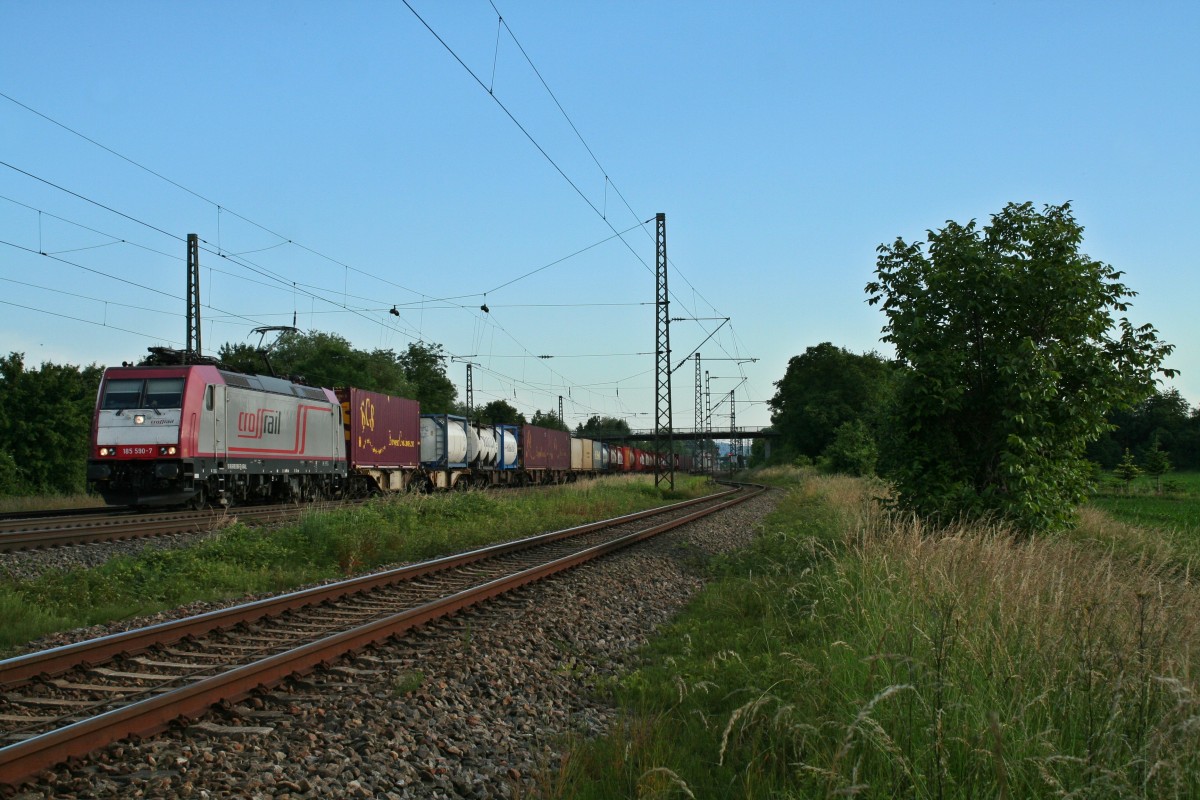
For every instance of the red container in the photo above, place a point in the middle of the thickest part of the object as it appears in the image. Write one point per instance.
(543, 448)
(381, 430)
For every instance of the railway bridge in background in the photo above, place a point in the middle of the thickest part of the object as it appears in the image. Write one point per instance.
(690, 435)
(732, 435)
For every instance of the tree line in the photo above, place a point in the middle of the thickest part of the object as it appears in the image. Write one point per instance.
(833, 407)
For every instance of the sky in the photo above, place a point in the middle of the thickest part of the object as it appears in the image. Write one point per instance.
(341, 159)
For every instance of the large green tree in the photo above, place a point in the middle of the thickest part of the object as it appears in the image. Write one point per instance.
(824, 388)
(1015, 359)
(500, 412)
(424, 367)
(45, 425)
(327, 359)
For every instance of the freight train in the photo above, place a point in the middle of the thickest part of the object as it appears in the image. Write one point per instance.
(200, 435)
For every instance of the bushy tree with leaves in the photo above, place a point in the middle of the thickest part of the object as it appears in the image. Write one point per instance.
(424, 366)
(1014, 360)
(327, 359)
(45, 425)
(853, 450)
(548, 419)
(824, 388)
(323, 359)
(500, 412)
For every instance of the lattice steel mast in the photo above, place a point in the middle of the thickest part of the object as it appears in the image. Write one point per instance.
(193, 349)
(470, 393)
(664, 439)
(699, 418)
(709, 456)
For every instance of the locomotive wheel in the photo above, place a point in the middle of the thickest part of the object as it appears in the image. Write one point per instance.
(199, 502)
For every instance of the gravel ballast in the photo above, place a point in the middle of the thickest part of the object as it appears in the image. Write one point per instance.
(470, 707)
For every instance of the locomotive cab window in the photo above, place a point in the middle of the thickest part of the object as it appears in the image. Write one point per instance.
(153, 393)
(164, 392)
(122, 394)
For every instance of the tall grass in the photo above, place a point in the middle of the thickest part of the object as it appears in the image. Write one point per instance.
(321, 545)
(851, 653)
(21, 503)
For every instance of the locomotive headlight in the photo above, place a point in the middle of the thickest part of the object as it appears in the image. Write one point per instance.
(171, 450)
(106, 451)
(167, 451)
(138, 419)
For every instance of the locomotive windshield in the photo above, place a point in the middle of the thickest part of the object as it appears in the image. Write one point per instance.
(137, 393)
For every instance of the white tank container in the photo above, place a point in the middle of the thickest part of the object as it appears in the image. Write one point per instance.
(508, 449)
(472, 442)
(443, 440)
(487, 446)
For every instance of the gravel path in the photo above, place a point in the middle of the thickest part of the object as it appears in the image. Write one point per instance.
(471, 707)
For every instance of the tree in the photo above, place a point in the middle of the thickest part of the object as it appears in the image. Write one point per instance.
(1127, 470)
(1156, 463)
(1014, 360)
(327, 359)
(45, 425)
(824, 388)
(499, 412)
(548, 419)
(597, 427)
(424, 366)
(853, 450)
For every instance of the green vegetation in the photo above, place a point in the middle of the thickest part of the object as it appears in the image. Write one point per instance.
(45, 418)
(851, 652)
(242, 560)
(1140, 517)
(823, 390)
(1013, 360)
(327, 359)
(44, 502)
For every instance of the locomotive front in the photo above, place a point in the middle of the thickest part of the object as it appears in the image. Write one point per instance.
(136, 456)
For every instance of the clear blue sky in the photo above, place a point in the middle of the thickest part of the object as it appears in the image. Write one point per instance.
(342, 147)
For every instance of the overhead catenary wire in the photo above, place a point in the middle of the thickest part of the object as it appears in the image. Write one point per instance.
(89, 322)
(566, 116)
(424, 298)
(279, 281)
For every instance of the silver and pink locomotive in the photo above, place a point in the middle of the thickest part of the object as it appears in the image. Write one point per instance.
(196, 435)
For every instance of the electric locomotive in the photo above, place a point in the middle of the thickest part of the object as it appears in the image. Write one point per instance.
(197, 434)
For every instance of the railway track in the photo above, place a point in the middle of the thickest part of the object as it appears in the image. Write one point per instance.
(58, 530)
(71, 700)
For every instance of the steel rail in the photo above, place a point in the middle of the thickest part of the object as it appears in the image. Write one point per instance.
(66, 531)
(48, 663)
(21, 761)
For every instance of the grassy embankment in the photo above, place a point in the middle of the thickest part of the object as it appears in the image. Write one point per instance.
(321, 545)
(9, 505)
(848, 654)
